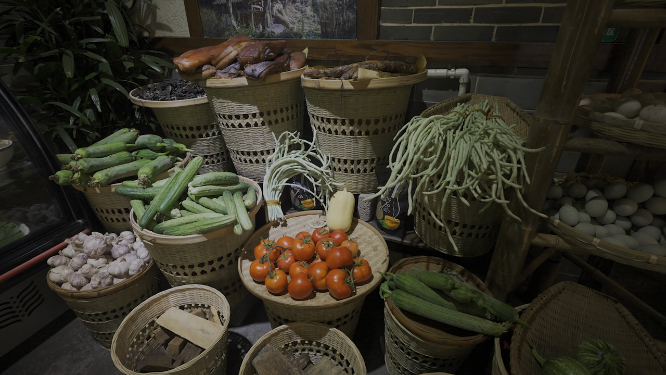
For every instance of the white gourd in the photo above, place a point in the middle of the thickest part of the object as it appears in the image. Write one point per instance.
(77, 280)
(78, 261)
(340, 211)
(135, 267)
(54, 274)
(58, 260)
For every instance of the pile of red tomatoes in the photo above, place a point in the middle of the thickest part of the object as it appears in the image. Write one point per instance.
(320, 261)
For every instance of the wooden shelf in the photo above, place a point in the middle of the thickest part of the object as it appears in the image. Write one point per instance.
(608, 147)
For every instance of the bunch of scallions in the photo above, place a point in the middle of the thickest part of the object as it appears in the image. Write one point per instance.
(469, 151)
(294, 156)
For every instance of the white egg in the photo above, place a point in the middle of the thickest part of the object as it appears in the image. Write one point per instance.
(587, 101)
(614, 241)
(569, 215)
(656, 205)
(660, 188)
(576, 190)
(586, 228)
(654, 113)
(596, 207)
(579, 205)
(658, 222)
(641, 218)
(608, 217)
(564, 201)
(643, 96)
(654, 232)
(557, 216)
(615, 190)
(623, 222)
(628, 93)
(644, 239)
(627, 107)
(595, 183)
(625, 206)
(554, 192)
(583, 217)
(614, 229)
(614, 114)
(593, 193)
(657, 250)
(601, 232)
(640, 192)
(628, 240)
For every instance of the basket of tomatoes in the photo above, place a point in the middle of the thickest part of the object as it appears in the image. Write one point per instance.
(304, 272)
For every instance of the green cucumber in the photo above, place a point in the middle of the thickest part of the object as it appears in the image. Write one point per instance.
(137, 192)
(200, 226)
(217, 190)
(215, 178)
(135, 183)
(161, 227)
(250, 198)
(106, 176)
(241, 212)
(170, 200)
(149, 171)
(62, 178)
(140, 210)
(151, 211)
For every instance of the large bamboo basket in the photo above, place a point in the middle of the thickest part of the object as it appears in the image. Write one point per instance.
(192, 123)
(209, 259)
(567, 314)
(355, 123)
(312, 339)
(111, 209)
(251, 114)
(498, 366)
(474, 233)
(625, 130)
(102, 310)
(415, 348)
(133, 341)
(322, 308)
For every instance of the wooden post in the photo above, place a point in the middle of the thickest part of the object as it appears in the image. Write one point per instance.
(575, 50)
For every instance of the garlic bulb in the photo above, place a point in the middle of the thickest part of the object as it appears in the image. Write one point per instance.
(68, 286)
(101, 279)
(116, 281)
(104, 268)
(77, 280)
(135, 266)
(143, 254)
(130, 256)
(57, 260)
(125, 243)
(54, 274)
(86, 287)
(88, 270)
(127, 235)
(119, 268)
(119, 250)
(138, 244)
(69, 251)
(110, 237)
(64, 275)
(78, 261)
(97, 235)
(95, 248)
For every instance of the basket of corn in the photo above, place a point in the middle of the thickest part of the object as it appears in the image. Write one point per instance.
(97, 169)
(436, 312)
(194, 227)
(356, 111)
(182, 109)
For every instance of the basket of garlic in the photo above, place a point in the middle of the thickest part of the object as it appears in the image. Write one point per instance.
(102, 277)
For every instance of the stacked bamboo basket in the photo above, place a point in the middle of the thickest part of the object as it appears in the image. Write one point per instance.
(111, 209)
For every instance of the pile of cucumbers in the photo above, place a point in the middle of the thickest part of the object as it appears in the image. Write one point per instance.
(123, 154)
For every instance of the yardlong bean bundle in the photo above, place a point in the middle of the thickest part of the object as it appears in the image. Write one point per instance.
(469, 151)
(294, 156)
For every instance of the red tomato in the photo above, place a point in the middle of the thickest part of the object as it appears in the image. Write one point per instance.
(319, 234)
(298, 267)
(362, 271)
(276, 281)
(323, 247)
(314, 260)
(286, 242)
(338, 284)
(259, 269)
(351, 245)
(317, 273)
(285, 261)
(338, 236)
(339, 257)
(303, 248)
(302, 234)
(264, 247)
(300, 286)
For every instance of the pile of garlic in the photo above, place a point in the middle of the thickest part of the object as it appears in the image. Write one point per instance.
(98, 260)
(633, 104)
(628, 217)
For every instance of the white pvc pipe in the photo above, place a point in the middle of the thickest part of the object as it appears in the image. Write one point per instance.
(463, 74)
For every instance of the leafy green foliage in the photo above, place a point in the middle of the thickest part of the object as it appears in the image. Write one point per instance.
(85, 57)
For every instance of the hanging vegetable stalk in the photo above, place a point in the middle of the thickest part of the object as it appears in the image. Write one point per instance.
(294, 156)
(469, 150)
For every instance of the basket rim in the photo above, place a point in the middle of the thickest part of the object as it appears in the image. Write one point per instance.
(220, 83)
(497, 351)
(263, 340)
(369, 287)
(152, 237)
(163, 103)
(616, 122)
(100, 292)
(367, 84)
(148, 301)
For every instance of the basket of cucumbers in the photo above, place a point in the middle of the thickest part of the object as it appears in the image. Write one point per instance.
(194, 225)
(96, 171)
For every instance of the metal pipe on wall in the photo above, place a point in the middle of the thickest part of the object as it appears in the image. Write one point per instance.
(575, 50)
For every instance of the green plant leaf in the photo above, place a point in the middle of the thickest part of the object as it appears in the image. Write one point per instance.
(94, 40)
(95, 98)
(92, 55)
(157, 60)
(30, 100)
(152, 65)
(67, 139)
(105, 68)
(7, 80)
(117, 22)
(115, 85)
(68, 63)
(71, 110)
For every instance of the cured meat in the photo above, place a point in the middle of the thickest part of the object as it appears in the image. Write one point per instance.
(263, 69)
(191, 60)
(229, 55)
(296, 60)
(208, 71)
(351, 71)
(261, 51)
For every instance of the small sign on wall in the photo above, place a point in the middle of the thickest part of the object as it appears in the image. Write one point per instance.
(610, 35)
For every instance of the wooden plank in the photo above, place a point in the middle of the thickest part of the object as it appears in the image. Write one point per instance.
(637, 18)
(156, 363)
(367, 19)
(175, 346)
(213, 316)
(200, 332)
(325, 366)
(190, 351)
(609, 147)
(194, 18)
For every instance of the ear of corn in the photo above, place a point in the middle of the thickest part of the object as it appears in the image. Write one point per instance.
(63, 177)
(113, 136)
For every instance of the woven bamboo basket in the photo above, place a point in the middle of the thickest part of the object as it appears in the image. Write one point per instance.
(322, 308)
(250, 114)
(192, 123)
(111, 209)
(315, 340)
(625, 130)
(208, 259)
(567, 314)
(474, 233)
(134, 340)
(415, 348)
(356, 122)
(594, 246)
(498, 366)
(102, 310)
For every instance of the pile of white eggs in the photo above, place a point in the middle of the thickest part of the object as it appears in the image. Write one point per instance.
(628, 217)
(633, 104)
